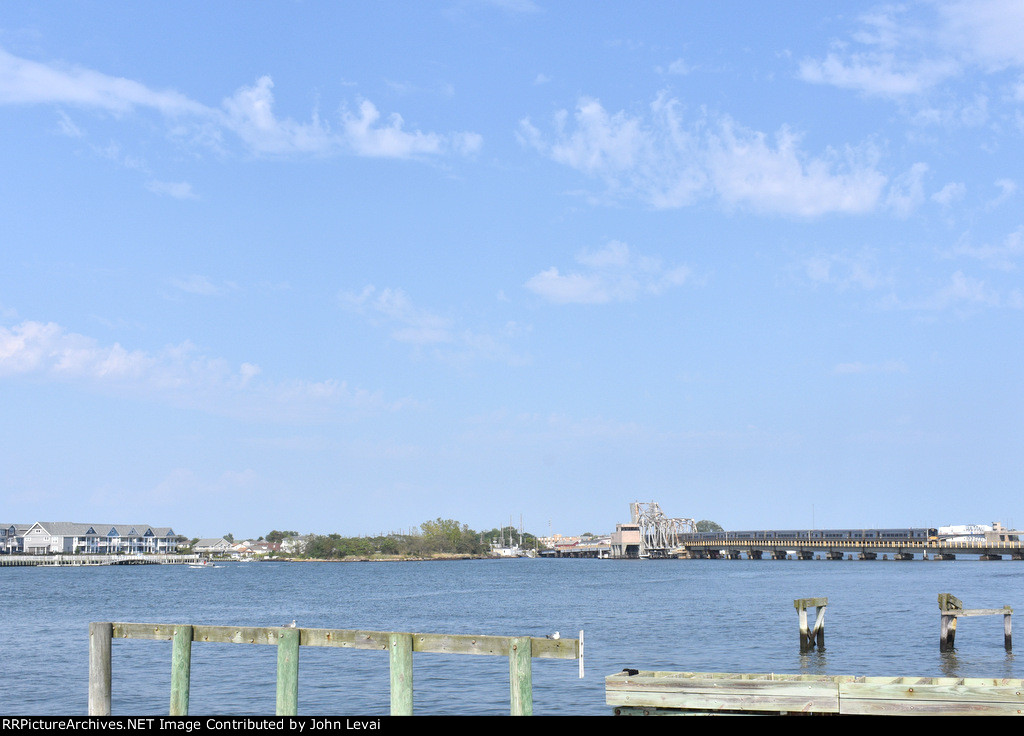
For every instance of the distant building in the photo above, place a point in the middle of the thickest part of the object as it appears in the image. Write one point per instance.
(295, 545)
(975, 533)
(212, 546)
(66, 537)
(625, 540)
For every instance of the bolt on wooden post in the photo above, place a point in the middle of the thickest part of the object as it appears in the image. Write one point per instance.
(811, 637)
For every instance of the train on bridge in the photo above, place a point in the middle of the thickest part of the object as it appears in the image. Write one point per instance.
(910, 534)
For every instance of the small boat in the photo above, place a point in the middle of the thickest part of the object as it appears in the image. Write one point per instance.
(201, 564)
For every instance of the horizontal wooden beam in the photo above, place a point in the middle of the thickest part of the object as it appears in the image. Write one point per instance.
(542, 648)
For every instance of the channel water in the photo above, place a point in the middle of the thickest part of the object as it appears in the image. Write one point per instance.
(680, 615)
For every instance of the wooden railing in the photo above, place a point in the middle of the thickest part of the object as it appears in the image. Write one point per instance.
(520, 651)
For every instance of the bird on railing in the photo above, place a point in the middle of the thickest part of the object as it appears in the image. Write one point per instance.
(292, 625)
(552, 636)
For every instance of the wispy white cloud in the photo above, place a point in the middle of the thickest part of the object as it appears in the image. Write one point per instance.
(964, 293)
(443, 336)
(248, 114)
(910, 51)
(844, 271)
(1003, 255)
(176, 189)
(177, 374)
(610, 274)
(669, 161)
(950, 194)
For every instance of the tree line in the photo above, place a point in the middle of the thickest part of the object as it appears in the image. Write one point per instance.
(437, 537)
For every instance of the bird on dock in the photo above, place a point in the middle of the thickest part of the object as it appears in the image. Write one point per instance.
(292, 625)
(553, 636)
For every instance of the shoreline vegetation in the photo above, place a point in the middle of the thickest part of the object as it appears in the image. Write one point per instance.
(440, 539)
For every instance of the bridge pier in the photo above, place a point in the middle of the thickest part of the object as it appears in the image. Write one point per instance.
(867, 555)
(903, 556)
(990, 556)
(805, 554)
(778, 554)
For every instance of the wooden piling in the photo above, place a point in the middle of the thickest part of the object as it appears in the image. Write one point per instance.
(100, 637)
(809, 638)
(400, 653)
(288, 672)
(520, 669)
(181, 670)
(951, 608)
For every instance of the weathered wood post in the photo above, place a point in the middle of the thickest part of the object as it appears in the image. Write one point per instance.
(400, 649)
(520, 675)
(810, 637)
(1007, 634)
(100, 637)
(949, 606)
(288, 672)
(181, 670)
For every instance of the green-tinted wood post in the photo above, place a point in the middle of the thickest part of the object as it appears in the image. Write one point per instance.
(100, 637)
(181, 669)
(400, 649)
(949, 604)
(520, 673)
(288, 672)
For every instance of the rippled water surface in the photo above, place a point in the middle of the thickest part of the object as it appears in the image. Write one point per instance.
(697, 615)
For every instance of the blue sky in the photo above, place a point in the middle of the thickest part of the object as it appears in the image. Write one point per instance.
(346, 267)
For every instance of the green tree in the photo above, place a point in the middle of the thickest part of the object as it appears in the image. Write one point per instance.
(704, 525)
(275, 536)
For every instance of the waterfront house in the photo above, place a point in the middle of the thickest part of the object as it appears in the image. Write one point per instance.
(212, 546)
(66, 537)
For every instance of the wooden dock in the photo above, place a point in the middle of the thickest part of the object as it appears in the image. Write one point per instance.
(632, 692)
(520, 651)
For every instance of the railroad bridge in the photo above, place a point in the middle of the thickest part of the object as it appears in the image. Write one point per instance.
(863, 549)
(653, 535)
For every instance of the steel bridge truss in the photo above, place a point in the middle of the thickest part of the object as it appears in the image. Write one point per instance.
(659, 535)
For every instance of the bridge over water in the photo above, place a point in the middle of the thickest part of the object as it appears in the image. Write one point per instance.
(831, 549)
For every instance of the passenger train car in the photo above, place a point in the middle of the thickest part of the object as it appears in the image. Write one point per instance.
(817, 535)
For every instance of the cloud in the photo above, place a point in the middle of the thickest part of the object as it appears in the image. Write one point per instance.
(668, 161)
(950, 194)
(442, 336)
(965, 292)
(611, 274)
(29, 82)
(248, 114)
(1002, 256)
(843, 271)
(909, 52)
(177, 374)
(176, 189)
(877, 74)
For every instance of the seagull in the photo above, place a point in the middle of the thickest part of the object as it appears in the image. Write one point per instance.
(292, 624)
(553, 636)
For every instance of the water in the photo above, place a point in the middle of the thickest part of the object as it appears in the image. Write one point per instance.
(697, 615)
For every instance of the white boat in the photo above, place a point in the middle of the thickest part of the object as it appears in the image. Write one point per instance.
(201, 564)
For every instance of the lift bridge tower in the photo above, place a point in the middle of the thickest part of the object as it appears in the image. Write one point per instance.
(659, 535)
